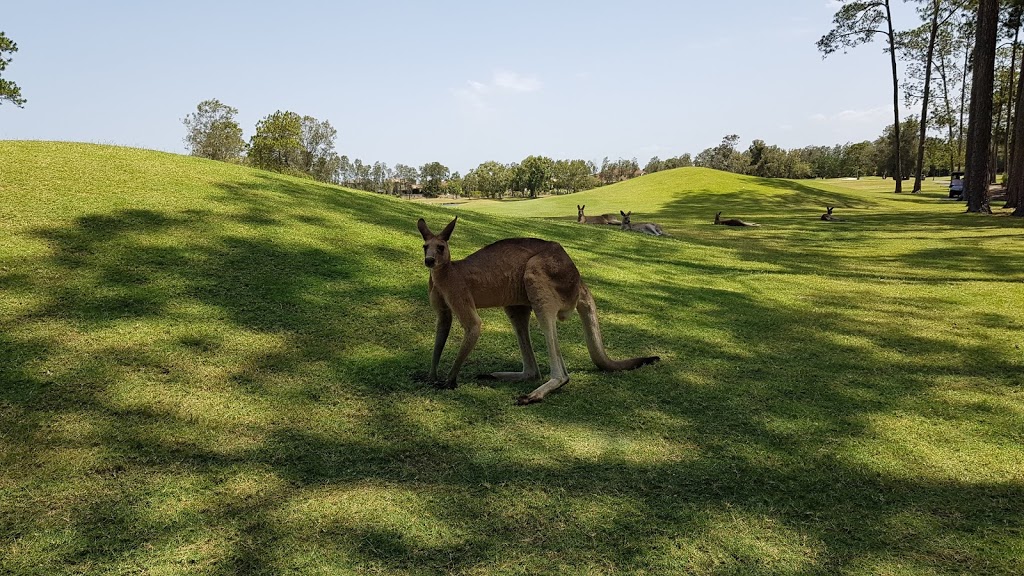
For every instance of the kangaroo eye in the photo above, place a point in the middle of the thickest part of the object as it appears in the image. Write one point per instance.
(440, 248)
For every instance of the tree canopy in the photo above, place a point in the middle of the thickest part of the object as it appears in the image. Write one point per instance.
(9, 91)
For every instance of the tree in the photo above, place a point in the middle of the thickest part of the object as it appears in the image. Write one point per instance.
(654, 165)
(9, 90)
(433, 175)
(979, 130)
(277, 143)
(935, 9)
(213, 132)
(534, 174)
(723, 156)
(318, 157)
(888, 161)
(491, 179)
(857, 23)
(405, 177)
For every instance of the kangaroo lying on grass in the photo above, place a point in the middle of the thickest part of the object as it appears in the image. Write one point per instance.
(828, 217)
(520, 275)
(602, 219)
(645, 227)
(732, 221)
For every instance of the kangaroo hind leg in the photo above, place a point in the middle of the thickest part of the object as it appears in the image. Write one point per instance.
(559, 375)
(519, 316)
(552, 285)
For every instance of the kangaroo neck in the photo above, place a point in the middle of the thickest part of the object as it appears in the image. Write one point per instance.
(440, 272)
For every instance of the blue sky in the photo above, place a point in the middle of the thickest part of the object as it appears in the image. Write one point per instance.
(455, 82)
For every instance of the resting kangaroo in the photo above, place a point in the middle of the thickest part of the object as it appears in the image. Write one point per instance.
(645, 227)
(827, 216)
(602, 219)
(732, 221)
(520, 275)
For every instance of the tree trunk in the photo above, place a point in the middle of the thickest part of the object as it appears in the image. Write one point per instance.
(941, 68)
(1015, 182)
(924, 100)
(1010, 100)
(895, 100)
(979, 132)
(960, 153)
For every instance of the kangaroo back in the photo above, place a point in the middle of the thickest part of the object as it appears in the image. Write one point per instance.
(732, 221)
(602, 219)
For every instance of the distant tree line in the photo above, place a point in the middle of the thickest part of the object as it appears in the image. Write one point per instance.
(867, 158)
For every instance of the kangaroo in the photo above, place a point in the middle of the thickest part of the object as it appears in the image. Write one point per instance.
(645, 227)
(602, 219)
(521, 275)
(828, 217)
(732, 221)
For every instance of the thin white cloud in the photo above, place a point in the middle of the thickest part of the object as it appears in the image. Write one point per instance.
(477, 95)
(864, 116)
(515, 82)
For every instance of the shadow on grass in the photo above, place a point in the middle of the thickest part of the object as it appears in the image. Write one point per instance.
(314, 449)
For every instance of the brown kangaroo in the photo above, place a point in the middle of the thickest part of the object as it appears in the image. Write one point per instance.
(520, 275)
(645, 227)
(828, 217)
(602, 219)
(732, 221)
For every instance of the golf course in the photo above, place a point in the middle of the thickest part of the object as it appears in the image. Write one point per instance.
(207, 368)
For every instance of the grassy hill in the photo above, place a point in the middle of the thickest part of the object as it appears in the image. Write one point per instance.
(210, 369)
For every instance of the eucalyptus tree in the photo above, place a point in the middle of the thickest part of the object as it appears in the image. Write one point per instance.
(534, 174)
(277, 143)
(979, 130)
(9, 90)
(213, 132)
(433, 175)
(492, 179)
(318, 158)
(405, 177)
(857, 23)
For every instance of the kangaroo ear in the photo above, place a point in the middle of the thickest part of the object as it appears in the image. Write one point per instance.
(424, 231)
(578, 207)
(623, 213)
(447, 232)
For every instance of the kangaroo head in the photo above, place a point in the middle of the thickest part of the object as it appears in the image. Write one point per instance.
(579, 211)
(435, 247)
(718, 217)
(829, 208)
(625, 218)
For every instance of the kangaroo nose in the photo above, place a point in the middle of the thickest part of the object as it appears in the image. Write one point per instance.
(429, 262)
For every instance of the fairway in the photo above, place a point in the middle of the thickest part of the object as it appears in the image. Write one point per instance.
(210, 369)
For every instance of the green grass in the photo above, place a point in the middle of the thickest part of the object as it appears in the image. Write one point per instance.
(208, 369)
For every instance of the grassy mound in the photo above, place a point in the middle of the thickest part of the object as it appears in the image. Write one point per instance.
(207, 369)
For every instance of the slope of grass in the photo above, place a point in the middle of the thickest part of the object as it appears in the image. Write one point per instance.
(207, 369)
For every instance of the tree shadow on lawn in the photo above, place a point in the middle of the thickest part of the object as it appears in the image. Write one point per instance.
(742, 445)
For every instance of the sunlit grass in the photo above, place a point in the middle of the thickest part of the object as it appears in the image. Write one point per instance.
(209, 369)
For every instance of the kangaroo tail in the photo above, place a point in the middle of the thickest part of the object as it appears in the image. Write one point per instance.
(592, 334)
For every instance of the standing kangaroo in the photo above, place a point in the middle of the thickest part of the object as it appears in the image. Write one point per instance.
(602, 219)
(732, 221)
(645, 227)
(520, 275)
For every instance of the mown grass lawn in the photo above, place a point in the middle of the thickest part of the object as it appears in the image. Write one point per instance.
(208, 369)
